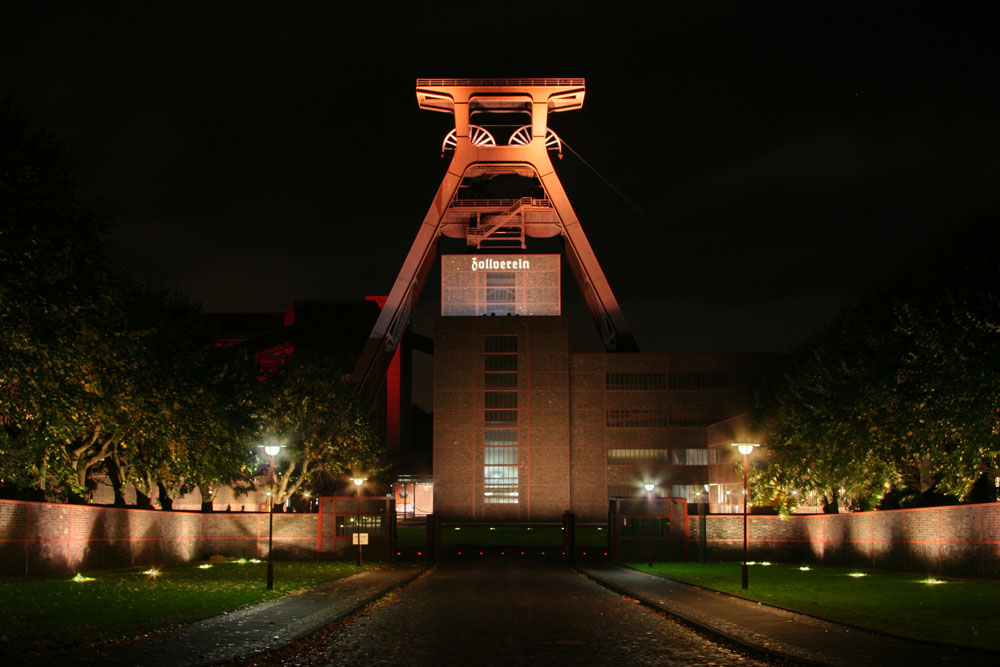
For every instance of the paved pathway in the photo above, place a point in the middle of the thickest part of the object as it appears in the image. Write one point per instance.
(508, 611)
(801, 638)
(250, 630)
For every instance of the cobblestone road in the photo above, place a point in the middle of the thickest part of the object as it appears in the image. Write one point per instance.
(507, 612)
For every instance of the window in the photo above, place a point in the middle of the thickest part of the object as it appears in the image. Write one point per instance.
(501, 380)
(689, 457)
(501, 279)
(500, 453)
(500, 295)
(500, 418)
(635, 381)
(502, 344)
(501, 399)
(638, 456)
(698, 381)
(500, 466)
(636, 417)
(501, 362)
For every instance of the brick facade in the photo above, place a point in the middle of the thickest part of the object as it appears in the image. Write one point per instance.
(43, 538)
(589, 426)
(959, 540)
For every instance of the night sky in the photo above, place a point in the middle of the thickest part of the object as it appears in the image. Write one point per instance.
(775, 158)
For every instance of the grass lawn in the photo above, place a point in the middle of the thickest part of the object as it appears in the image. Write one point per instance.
(502, 535)
(957, 611)
(51, 612)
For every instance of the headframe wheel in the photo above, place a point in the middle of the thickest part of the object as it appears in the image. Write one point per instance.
(478, 136)
(522, 137)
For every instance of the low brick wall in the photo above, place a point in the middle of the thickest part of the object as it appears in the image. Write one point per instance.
(958, 540)
(44, 538)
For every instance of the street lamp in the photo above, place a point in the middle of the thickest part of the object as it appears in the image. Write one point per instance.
(649, 510)
(272, 451)
(702, 526)
(745, 448)
(358, 481)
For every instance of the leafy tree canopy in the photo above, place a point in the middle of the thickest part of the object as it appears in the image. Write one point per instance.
(309, 409)
(900, 395)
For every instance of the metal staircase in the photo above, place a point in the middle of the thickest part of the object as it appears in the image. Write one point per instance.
(505, 230)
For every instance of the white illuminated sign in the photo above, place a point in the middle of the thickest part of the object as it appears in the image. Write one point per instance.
(488, 263)
(500, 285)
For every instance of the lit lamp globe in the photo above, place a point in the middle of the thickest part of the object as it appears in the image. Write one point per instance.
(745, 447)
(272, 450)
(649, 487)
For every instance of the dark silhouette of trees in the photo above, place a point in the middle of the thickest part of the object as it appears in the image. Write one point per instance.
(898, 399)
(100, 373)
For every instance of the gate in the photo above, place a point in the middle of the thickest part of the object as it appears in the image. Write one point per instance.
(340, 517)
(647, 530)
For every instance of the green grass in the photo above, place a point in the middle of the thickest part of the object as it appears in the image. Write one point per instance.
(957, 611)
(52, 612)
(501, 535)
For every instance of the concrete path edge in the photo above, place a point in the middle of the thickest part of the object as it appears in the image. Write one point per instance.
(361, 604)
(749, 645)
(697, 625)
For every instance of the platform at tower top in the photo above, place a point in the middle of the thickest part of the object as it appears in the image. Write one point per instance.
(573, 82)
(560, 94)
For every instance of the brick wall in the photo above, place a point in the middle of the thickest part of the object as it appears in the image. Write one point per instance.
(960, 540)
(43, 538)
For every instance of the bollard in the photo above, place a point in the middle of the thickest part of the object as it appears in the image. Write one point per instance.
(569, 535)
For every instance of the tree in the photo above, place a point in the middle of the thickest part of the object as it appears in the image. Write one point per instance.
(310, 410)
(55, 305)
(187, 421)
(900, 395)
(96, 370)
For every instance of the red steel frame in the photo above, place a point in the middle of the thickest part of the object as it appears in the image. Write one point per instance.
(461, 97)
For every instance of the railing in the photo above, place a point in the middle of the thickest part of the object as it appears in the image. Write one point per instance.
(499, 220)
(497, 203)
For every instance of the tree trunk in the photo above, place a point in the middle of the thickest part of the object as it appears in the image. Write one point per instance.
(830, 504)
(166, 502)
(115, 475)
(142, 501)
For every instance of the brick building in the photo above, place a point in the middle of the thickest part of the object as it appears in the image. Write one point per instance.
(525, 429)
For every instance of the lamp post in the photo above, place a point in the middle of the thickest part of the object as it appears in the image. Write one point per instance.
(702, 527)
(649, 510)
(272, 451)
(745, 448)
(358, 481)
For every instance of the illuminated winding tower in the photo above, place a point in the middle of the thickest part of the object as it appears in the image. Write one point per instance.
(484, 110)
(521, 424)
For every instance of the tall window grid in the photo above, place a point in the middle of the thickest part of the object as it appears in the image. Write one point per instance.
(500, 446)
(501, 293)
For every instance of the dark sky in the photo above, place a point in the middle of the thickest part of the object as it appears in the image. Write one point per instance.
(782, 155)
